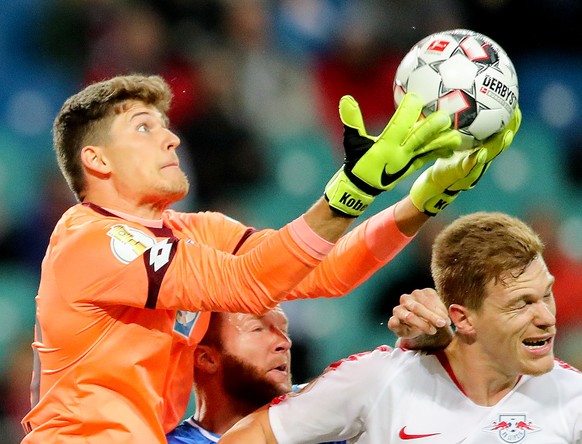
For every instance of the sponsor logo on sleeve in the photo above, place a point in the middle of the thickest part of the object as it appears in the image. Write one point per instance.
(128, 243)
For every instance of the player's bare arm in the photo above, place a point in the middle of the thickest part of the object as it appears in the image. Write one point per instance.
(253, 429)
(326, 222)
(330, 225)
(409, 219)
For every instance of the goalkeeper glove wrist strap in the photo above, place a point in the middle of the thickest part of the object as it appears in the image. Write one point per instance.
(435, 204)
(441, 202)
(345, 197)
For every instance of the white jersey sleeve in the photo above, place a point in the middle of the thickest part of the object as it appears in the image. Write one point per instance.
(336, 404)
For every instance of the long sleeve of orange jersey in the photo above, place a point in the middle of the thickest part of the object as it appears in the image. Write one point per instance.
(355, 257)
(252, 282)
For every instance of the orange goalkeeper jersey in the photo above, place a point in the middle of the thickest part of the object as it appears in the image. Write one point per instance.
(122, 303)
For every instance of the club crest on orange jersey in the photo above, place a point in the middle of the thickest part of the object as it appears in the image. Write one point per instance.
(185, 321)
(128, 243)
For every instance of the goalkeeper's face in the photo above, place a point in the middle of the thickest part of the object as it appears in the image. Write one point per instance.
(256, 357)
(140, 157)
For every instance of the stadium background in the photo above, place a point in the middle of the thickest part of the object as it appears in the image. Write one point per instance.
(258, 81)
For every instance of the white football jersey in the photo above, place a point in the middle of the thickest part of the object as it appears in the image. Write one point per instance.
(390, 396)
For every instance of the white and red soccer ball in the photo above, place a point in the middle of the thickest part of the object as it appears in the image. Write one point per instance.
(465, 73)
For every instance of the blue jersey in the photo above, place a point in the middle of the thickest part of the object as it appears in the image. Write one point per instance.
(191, 432)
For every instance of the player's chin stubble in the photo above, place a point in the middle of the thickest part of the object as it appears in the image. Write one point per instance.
(246, 383)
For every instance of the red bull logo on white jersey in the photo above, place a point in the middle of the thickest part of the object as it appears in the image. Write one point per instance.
(512, 428)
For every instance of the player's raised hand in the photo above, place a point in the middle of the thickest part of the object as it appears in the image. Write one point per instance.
(441, 183)
(437, 186)
(421, 321)
(421, 311)
(373, 164)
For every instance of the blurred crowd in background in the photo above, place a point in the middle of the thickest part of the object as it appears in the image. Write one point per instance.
(256, 85)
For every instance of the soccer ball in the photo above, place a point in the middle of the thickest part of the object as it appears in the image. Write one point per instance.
(464, 73)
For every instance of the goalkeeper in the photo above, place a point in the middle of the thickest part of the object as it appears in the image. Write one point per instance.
(127, 284)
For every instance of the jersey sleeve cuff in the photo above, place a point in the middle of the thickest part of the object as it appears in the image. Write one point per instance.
(308, 240)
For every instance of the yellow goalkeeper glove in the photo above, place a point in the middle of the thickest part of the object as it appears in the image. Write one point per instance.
(375, 164)
(441, 183)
